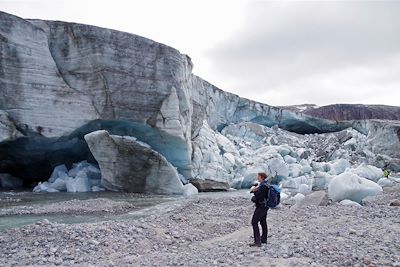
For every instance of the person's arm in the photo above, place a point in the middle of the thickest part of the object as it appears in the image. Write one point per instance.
(253, 189)
(260, 193)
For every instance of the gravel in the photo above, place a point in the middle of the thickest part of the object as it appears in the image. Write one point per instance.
(74, 206)
(215, 231)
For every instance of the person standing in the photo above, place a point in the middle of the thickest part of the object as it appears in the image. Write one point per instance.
(386, 173)
(260, 213)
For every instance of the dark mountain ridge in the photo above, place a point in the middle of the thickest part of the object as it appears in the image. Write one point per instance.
(347, 112)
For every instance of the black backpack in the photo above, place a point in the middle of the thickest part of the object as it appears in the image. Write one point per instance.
(274, 196)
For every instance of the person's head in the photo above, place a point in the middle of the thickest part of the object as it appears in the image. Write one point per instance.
(261, 176)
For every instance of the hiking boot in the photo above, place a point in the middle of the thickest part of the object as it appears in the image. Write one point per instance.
(264, 242)
(255, 245)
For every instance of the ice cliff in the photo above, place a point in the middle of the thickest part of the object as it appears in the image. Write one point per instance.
(60, 81)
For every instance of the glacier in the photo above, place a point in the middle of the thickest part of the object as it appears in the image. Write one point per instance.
(62, 81)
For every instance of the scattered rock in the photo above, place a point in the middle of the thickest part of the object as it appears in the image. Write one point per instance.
(213, 228)
(395, 202)
(209, 185)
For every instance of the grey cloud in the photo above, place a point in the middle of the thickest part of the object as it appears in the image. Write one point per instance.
(283, 43)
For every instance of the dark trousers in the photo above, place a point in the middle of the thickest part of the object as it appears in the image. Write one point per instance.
(260, 216)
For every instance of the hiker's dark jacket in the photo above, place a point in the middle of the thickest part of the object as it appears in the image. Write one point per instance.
(261, 195)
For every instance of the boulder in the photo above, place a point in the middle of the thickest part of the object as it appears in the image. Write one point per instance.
(78, 184)
(132, 166)
(61, 185)
(369, 172)
(385, 182)
(59, 171)
(395, 203)
(318, 198)
(347, 202)
(207, 185)
(43, 187)
(189, 190)
(338, 166)
(353, 187)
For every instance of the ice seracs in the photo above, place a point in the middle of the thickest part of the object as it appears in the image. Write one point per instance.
(189, 190)
(385, 182)
(367, 171)
(352, 187)
(82, 177)
(348, 202)
(232, 158)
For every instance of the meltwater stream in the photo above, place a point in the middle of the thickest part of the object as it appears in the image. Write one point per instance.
(143, 205)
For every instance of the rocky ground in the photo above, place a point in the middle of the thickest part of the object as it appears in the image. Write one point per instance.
(74, 206)
(214, 230)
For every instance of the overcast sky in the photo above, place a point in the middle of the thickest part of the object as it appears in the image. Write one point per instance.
(275, 52)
